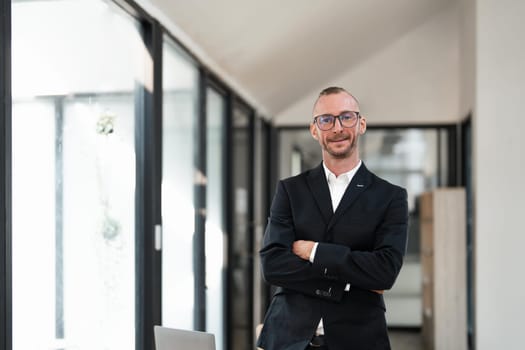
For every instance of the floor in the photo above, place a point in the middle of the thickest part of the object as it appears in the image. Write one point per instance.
(401, 339)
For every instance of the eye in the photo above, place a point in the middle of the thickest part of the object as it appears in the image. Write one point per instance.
(326, 119)
(347, 117)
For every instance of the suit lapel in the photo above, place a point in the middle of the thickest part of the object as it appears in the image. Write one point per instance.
(361, 180)
(319, 187)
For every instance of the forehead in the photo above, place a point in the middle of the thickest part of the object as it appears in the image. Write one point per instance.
(335, 104)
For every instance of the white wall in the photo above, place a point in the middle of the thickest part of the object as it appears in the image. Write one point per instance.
(415, 79)
(499, 169)
(467, 52)
(199, 52)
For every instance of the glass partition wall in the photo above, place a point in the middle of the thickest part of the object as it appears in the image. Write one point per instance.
(412, 158)
(179, 128)
(132, 185)
(77, 67)
(215, 225)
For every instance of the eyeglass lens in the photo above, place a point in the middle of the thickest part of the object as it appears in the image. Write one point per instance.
(327, 121)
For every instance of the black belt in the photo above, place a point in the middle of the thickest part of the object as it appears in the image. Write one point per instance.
(317, 341)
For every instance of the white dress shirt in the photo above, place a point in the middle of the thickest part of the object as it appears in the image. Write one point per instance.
(337, 186)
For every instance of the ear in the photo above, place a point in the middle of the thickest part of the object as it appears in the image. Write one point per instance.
(362, 125)
(313, 131)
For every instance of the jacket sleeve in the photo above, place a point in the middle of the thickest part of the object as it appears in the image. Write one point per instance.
(376, 269)
(280, 266)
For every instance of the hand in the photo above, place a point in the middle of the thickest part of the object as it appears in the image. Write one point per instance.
(303, 249)
(378, 291)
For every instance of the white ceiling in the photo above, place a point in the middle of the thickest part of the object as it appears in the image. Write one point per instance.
(278, 51)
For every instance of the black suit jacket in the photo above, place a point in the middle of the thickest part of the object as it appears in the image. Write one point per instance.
(362, 243)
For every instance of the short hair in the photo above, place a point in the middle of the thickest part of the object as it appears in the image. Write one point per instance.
(332, 90)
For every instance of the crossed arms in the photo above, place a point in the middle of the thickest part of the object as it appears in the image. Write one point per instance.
(285, 260)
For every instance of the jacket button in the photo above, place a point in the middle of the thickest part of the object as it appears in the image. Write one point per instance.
(318, 292)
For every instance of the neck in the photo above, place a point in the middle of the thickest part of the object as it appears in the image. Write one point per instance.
(339, 166)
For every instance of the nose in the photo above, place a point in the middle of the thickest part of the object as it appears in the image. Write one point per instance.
(338, 125)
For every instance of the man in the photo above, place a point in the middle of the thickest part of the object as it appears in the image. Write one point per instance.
(335, 240)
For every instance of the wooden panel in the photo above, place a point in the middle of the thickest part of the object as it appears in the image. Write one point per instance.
(443, 259)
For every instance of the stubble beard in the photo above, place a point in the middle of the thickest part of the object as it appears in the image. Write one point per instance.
(344, 153)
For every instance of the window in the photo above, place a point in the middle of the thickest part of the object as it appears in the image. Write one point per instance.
(215, 215)
(180, 118)
(76, 67)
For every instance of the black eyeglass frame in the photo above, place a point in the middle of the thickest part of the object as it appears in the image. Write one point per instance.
(338, 117)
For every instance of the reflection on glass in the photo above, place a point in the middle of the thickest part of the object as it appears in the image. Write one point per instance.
(75, 68)
(98, 220)
(180, 78)
(215, 239)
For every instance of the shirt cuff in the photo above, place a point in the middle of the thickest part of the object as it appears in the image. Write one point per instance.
(312, 253)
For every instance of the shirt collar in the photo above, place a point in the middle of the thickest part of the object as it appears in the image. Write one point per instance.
(345, 177)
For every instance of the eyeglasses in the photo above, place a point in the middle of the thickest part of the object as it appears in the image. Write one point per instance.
(326, 122)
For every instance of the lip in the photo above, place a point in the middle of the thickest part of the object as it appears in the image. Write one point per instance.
(339, 140)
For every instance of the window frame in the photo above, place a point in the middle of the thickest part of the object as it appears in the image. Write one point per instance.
(148, 150)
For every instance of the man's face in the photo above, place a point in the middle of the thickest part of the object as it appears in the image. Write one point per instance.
(338, 142)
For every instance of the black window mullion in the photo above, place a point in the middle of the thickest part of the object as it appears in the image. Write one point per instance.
(228, 219)
(453, 167)
(5, 177)
(270, 163)
(148, 139)
(251, 226)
